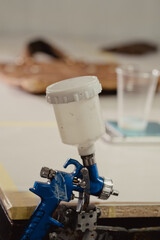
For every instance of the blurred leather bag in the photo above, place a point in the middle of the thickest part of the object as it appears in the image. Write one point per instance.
(34, 76)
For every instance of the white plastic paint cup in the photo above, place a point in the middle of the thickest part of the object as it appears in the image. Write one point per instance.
(77, 109)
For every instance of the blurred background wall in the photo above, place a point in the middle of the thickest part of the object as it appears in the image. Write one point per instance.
(122, 19)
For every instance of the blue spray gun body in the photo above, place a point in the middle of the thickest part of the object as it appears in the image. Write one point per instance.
(51, 193)
(59, 188)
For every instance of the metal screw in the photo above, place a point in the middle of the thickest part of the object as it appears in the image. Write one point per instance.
(53, 236)
(68, 212)
(82, 184)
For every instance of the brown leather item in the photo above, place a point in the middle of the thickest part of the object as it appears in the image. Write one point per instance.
(133, 48)
(34, 76)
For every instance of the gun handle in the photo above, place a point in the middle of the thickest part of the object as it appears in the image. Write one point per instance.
(41, 220)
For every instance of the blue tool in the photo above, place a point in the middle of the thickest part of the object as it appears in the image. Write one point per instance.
(59, 188)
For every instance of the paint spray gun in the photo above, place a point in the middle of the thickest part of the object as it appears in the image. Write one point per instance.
(77, 110)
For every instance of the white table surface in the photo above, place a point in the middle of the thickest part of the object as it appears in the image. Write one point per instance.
(29, 139)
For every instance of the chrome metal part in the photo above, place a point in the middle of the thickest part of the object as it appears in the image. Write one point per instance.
(107, 189)
(80, 202)
(84, 197)
(47, 173)
(88, 160)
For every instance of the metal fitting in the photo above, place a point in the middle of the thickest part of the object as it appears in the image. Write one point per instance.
(47, 173)
(88, 160)
(107, 189)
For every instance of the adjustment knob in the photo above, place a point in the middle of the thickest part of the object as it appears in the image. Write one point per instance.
(47, 173)
(107, 189)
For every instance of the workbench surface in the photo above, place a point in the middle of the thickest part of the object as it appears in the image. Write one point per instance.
(29, 139)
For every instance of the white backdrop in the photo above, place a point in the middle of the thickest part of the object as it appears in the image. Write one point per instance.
(122, 19)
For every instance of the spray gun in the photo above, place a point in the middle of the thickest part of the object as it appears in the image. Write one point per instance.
(77, 110)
